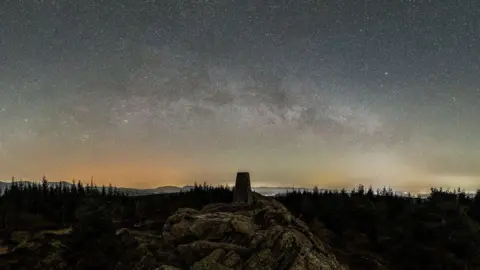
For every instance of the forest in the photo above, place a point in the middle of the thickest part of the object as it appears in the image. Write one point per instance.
(365, 229)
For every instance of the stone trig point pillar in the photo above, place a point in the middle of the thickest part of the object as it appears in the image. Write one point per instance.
(242, 191)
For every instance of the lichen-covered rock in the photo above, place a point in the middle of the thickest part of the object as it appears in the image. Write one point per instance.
(167, 267)
(212, 261)
(232, 260)
(40, 250)
(262, 235)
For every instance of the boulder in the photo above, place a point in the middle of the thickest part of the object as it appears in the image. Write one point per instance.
(40, 250)
(260, 235)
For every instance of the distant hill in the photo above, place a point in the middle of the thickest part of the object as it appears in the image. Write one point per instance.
(266, 191)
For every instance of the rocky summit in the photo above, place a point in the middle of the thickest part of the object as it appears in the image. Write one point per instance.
(261, 235)
(252, 232)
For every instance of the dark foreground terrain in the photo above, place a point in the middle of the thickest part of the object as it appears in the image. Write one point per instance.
(81, 227)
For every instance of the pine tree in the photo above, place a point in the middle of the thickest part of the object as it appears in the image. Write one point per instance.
(110, 190)
(80, 189)
(44, 187)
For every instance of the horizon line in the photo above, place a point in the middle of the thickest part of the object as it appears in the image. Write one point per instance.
(425, 190)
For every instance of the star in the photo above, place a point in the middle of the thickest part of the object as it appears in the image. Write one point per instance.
(284, 87)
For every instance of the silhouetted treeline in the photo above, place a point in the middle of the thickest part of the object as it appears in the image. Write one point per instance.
(151, 211)
(368, 229)
(44, 205)
(365, 229)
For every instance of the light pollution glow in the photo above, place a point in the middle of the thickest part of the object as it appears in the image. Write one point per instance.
(147, 94)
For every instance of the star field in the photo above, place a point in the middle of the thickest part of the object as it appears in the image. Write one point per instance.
(332, 93)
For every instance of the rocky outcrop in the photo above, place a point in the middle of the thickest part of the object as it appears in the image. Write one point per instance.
(30, 250)
(260, 235)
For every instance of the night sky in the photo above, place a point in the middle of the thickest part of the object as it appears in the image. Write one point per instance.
(303, 93)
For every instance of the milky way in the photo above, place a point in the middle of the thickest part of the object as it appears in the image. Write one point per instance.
(332, 93)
